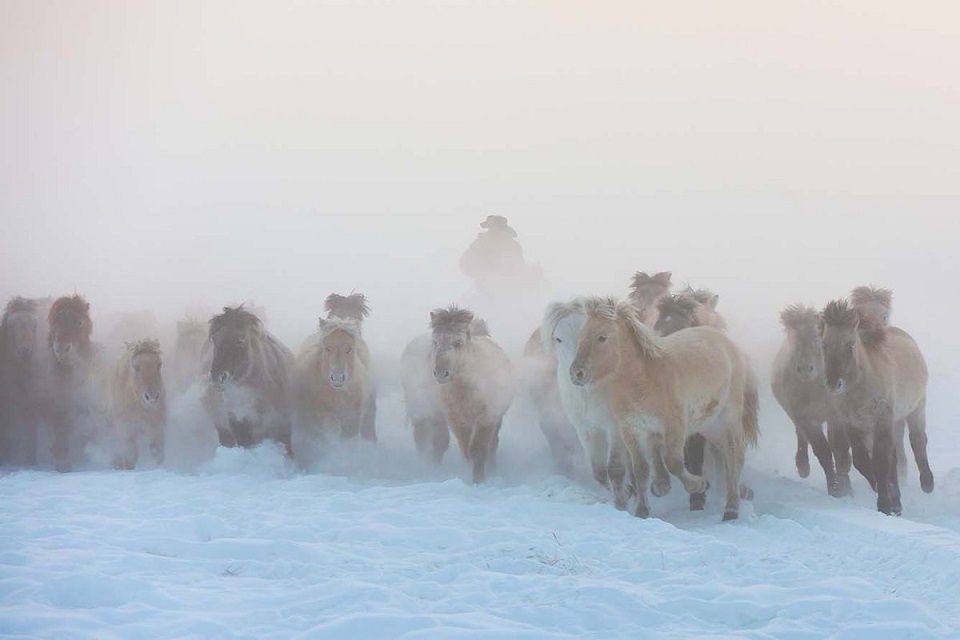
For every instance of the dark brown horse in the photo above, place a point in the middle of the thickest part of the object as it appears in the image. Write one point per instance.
(71, 351)
(21, 356)
(250, 381)
(646, 291)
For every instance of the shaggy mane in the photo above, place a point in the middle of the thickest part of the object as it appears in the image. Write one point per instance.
(676, 303)
(18, 304)
(642, 278)
(353, 306)
(234, 316)
(703, 296)
(75, 304)
(799, 315)
(839, 313)
(610, 309)
(479, 327)
(453, 318)
(871, 294)
(556, 312)
(144, 346)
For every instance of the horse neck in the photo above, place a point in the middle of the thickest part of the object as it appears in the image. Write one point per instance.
(633, 361)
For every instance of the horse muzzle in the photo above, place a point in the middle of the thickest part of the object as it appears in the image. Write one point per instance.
(442, 376)
(338, 380)
(579, 376)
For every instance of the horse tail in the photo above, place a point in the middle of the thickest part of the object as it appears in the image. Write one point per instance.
(751, 425)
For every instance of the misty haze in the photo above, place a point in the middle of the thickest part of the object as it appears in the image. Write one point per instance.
(441, 320)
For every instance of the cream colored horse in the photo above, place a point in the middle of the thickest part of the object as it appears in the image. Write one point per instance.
(695, 381)
(334, 385)
(138, 403)
(471, 389)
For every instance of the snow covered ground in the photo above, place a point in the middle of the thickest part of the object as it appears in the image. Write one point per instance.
(376, 545)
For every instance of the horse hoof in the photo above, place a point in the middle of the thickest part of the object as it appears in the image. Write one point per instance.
(697, 501)
(926, 482)
(730, 515)
(620, 504)
(803, 466)
(697, 485)
(660, 488)
(746, 493)
(642, 511)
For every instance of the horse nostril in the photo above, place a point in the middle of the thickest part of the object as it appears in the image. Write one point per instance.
(809, 368)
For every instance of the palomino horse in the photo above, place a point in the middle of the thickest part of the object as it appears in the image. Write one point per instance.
(646, 291)
(138, 403)
(540, 382)
(585, 406)
(797, 382)
(694, 381)
(250, 375)
(470, 390)
(354, 307)
(21, 359)
(66, 402)
(875, 379)
(334, 385)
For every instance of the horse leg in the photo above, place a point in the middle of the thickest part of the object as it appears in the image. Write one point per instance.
(840, 445)
(639, 470)
(616, 473)
(733, 456)
(861, 458)
(885, 466)
(675, 440)
(917, 424)
(599, 456)
(661, 477)
(821, 449)
(898, 436)
(157, 443)
(802, 457)
(479, 452)
(693, 461)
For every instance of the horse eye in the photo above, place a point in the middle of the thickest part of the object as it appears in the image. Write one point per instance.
(327, 349)
(458, 343)
(850, 348)
(602, 338)
(558, 339)
(349, 349)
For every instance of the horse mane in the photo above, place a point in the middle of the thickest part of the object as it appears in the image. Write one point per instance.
(149, 345)
(839, 313)
(703, 296)
(19, 304)
(353, 306)
(556, 312)
(798, 315)
(329, 325)
(676, 303)
(234, 317)
(641, 278)
(451, 319)
(75, 304)
(870, 294)
(611, 309)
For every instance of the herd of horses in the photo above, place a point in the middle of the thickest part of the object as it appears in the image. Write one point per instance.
(637, 388)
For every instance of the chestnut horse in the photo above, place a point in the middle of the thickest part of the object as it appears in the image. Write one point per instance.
(138, 403)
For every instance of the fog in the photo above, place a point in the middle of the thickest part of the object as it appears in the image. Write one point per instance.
(181, 156)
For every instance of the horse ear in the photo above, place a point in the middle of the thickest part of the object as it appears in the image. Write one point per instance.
(663, 277)
(321, 323)
(714, 300)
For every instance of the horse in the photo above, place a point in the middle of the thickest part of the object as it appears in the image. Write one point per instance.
(138, 402)
(470, 390)
(874, 305)
(334, 385)
(21, 362)
(540, 384)
(646, 291)
(585, 407)
(876, 379)
(354, 307)
(72, 366)
(186, 365)
(692, 308)
(694, 381)
(250, 389)
(798, 385)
